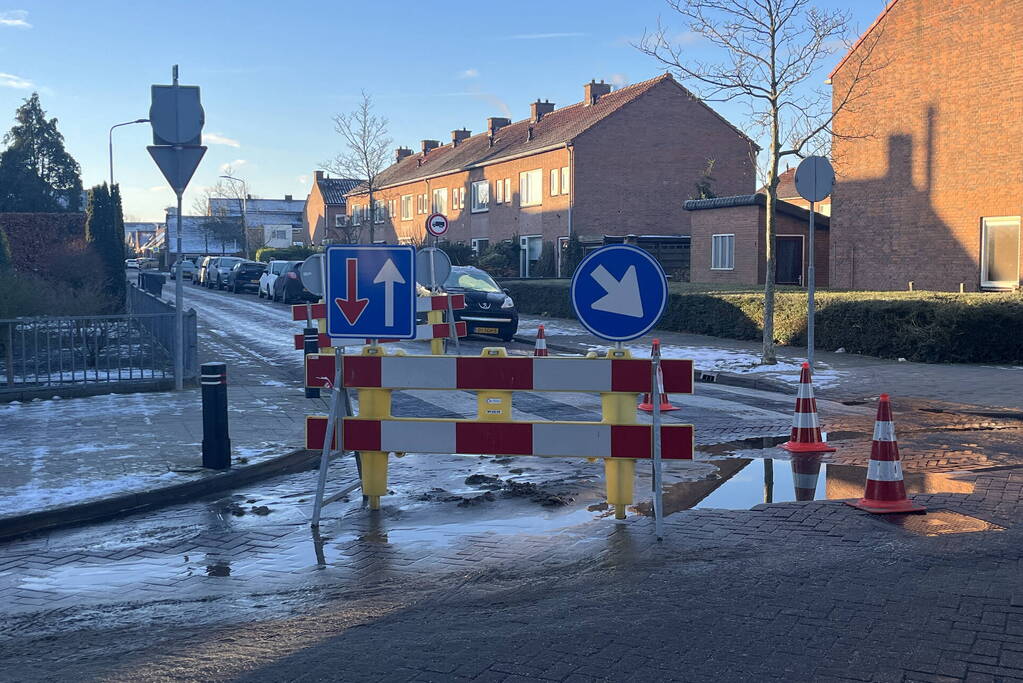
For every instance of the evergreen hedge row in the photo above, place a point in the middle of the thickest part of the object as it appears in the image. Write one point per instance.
(928, 327)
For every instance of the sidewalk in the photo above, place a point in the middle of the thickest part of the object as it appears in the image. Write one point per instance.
(839, 376)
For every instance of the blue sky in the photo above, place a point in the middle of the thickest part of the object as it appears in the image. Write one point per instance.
(274, 73)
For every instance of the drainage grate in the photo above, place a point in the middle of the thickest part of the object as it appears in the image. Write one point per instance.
(941, 522)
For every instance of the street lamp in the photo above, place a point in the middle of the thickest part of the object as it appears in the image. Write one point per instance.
(110, 144)
(245, 234)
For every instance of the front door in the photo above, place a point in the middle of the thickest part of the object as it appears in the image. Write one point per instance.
(789, 260)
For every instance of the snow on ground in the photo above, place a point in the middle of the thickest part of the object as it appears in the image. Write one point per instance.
(32, 497)
(551, 327)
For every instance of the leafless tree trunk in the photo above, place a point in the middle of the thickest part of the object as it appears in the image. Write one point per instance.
(770, 50)
(366, 151)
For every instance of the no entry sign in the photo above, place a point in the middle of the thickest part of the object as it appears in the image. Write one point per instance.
(437, 224)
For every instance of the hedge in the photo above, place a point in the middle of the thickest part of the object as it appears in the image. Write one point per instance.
(292, 253)
(928, 327)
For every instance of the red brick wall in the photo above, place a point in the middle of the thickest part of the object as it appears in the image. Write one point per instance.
(945, 123)
(635, 169)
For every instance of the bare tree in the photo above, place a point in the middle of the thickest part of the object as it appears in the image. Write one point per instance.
(771, 49)
(366, 150)
(221, 225)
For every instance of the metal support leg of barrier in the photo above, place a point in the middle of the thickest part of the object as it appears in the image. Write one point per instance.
(617, 409)
(328, 439)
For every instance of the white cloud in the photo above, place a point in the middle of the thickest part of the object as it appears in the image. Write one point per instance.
(218, 139)
(619, 80)
(232, 165)
(469, 73)
(542, 36)
(304, 179)
(159, 188)
(12, 81)
(15, 18)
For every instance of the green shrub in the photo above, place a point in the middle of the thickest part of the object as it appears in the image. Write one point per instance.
(293, 253)
(919, 326)
(460, 254)
(501, 259)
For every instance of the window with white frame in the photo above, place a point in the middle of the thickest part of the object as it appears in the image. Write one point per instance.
(722, 253)
(555, 181)
(531, 187)
(406, 207)
(507, 190)
(440, 200)
(392, 208)
(381, 211)
(479, 245)
(500, 192)
(426, 203)
(999, 255)
(461, 198)
(480, 199)
(356, 215)
(564, 180)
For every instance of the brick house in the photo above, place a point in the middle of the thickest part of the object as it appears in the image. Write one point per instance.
(325, 203)
(935, 193)
(616, 163)
(728, 239)
(787, 192)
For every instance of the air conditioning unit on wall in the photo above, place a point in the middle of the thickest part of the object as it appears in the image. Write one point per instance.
(341, 221)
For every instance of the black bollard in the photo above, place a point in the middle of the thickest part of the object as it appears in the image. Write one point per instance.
(311, 344)
(216, 444)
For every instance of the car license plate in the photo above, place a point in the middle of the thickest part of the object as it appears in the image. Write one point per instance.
(486, 330)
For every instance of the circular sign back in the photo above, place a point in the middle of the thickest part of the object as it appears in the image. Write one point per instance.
(814, 179)
(311, 271)
(437, 224)
(432, 267)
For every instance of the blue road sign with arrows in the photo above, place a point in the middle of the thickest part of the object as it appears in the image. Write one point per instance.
(371, 291)
(619, 292)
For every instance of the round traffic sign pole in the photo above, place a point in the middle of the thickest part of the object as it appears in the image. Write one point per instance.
(815, 179)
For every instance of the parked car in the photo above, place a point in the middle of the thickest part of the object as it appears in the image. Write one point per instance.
(187, 270)
(288, 286)
(269, 277)
(219, 269)
(131, 263)
(245, 276)
(488, 308)
(202, 270)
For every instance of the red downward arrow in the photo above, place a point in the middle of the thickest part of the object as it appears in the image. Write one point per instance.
(352, 306)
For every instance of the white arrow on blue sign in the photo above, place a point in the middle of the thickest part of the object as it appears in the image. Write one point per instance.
(619, 292)
(371, 291)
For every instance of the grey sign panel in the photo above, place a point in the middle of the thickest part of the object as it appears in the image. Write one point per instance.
(432, 267)
(177, 164)
(311, 271)
(177, 115)
(815, 179)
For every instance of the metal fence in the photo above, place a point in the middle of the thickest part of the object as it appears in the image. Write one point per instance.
(82, 350)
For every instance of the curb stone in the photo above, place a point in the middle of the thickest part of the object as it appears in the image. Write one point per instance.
(151, 499)
(726, 378)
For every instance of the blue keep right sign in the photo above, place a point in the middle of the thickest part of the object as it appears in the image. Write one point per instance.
(619, 292)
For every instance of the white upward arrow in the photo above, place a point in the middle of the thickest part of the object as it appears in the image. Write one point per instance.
(389, 275)
(622, 296)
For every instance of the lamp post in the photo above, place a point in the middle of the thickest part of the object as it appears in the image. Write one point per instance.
(110, 144)
(245, 234)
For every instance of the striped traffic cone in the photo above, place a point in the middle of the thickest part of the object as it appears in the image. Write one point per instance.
(806, 428)
(806, 470)
(885, 491)
(541, 343)
(646, 403)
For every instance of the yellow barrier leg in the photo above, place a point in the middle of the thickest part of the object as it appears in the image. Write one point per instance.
(618, 409)
(436, 345)
(374, 404)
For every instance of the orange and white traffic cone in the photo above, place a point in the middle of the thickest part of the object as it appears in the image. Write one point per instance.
(541, 343)
(806, 470)
(646, 404)
(885, 491)
(806, 427)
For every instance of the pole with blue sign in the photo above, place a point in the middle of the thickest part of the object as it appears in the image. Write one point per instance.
(619, 293)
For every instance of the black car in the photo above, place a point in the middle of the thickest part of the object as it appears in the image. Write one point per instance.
(245, 276)
(488, 308)
(288, 287)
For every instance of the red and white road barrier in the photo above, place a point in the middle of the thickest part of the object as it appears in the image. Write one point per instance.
(540, 350)
(806, 428)
(547, 439)
(520, 373)
(885, 491)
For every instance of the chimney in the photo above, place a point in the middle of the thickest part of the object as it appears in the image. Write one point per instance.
(401, 153)
(459, 135)
(317, 176)
(529, 134)
(287, 198)
(592, 91)
(539, 109)
(496, 123)
(429, 144)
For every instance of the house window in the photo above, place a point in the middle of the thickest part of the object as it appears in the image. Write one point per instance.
(461, 198)
(530, 250)
(722, 255)
(356, 215)
(440, 200)
(406, 207)
(480, 199)
(381, 211)
(424, 204)
(507, 190)
(479, 246)
(555, 178)
(500, 191)
(530, 188)
(999, 258)
(564, 180)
